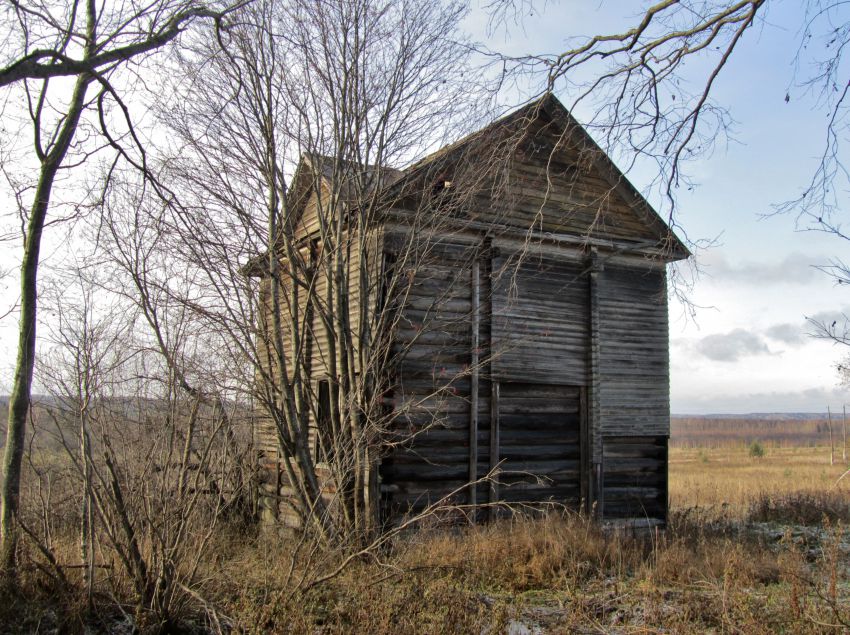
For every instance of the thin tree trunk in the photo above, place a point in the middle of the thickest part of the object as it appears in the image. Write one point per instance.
(844, 434)
(87, 514)
(19, 401)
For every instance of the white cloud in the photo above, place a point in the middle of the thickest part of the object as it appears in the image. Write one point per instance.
(795, 268)
(731, 346)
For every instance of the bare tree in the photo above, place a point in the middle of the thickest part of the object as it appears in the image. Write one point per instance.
(648, 91)
(313, 97)
(631, 82)
(85, 43)
(148, 461)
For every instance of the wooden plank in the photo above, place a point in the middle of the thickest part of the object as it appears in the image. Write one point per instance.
(540, 325)
(634, 363)
(474, 361)
(636, 477)
(494, 445)
(583, 444)
(665, 488)
(594, 425)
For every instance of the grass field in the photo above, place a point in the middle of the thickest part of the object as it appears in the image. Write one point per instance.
(729, 476)
(754, 545)
(735, 559)
(748, 550)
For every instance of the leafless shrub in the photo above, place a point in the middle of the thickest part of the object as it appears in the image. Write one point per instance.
(147, 466)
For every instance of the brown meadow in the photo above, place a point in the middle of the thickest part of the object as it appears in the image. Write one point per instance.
(755, 545)
(728, 476)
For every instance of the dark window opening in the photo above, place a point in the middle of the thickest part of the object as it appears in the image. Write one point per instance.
(324, 426)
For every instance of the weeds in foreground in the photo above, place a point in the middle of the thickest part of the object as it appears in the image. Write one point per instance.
(563, 573)
(800, 508)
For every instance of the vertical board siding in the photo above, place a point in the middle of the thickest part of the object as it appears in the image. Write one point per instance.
(315, 348)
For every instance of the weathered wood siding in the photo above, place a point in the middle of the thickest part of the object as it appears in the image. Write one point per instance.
(539, 343)
(635, 478)
(572, 380)
(633, 351)
(432, 391)
(534, 438)
(540, 319)
(541, 179)
(315, 347)
(634, 391)
(540, 443)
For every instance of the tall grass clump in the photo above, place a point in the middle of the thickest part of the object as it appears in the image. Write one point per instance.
(801, 507)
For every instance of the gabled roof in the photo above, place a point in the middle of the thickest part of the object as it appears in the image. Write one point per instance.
(549, 106)
(313, 168)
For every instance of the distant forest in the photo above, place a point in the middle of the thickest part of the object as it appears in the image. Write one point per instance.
(773, 430)
(686, 431)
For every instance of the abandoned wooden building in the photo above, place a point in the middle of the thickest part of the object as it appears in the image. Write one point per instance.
(526, 358)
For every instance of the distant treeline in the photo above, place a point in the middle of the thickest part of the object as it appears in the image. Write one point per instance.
(716, 431)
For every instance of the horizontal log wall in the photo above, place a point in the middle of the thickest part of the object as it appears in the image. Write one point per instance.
(597, 348)
(432, 395)
(540, 444)
(635, 478)
(634, 375)
(543, 178)
(541, 319)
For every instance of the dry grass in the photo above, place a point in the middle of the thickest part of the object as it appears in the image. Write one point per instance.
(561, 574)
(729, 477)
(713, 570)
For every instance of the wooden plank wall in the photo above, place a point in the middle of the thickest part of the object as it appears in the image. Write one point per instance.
(539, 308)
(635, 478)
(541, 320)
(539, 339)
(432, 394)
(540, 448)
(541, 179)
(275, 491)
(633, 351)
(634, 390)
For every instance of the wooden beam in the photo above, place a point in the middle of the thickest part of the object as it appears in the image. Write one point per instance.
(585, 451)
(474, 362)
(494, 445)
(594, 425)
(278, 485)
(666, 489)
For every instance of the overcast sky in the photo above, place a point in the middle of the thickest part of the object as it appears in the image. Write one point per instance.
(747, 349)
